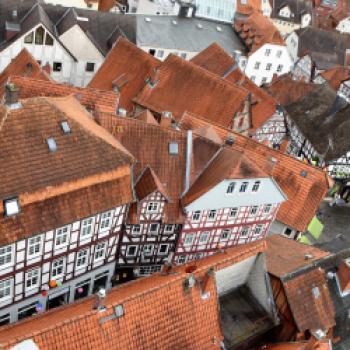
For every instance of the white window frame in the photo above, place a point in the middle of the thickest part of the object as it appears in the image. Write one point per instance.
(279, 68)
(136, 232)
(62, 264)
(38, 243)
(106, 216)
(6, 253)
(226, 231)
(84, 225)
(7, 285)
(194, 215)
(206, 234)
(166, 251)
(260, 228)
(84, 258)
(267, 52)
(182, 259)
(189, 239)
(150, 251)
(33, 274)
(253, 210)
(59, 232)
(210, 214)
(100, 248)
(230, 213)
(166, 228)
(154, 232)
(231, 188)
(128, 248)
(245, 228)
(267, 208)
(152, 207)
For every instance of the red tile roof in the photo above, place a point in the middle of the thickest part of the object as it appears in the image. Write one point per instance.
(217, 61)
(226, 164)
(286, 90)
(179, 86)
(126, 67)
(147, 117)
(214, 59)
(36, 175)
(158, 314)
(310, 301)
(256, 30)
(24, 64)
(304, 193)
(337, 75)
(344, 276)
(93, 99)
(285, 256)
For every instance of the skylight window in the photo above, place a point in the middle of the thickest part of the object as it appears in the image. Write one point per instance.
(173, 148)
(65, 127)
(11, 206)
(82, 19)
(51, 143)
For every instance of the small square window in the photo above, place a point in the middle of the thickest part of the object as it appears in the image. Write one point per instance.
(90, 67)
(268, 66)
(245, 231)
(267, 52)
(57, 66)
(173, 148)
(230, 188)
(152, 51)
(253, 210)
(212, 215)
(87, 227)
(153, 228)
(233, 212)
(256, 186)
(257, 65)
(267, 208)
(279, 68)
(136, 229)
(11, 206)
(203, 238)
(131, 251)
(196, 215)
(189, 238)
(152, 207)
(258, 230)
(106, 221)
(279, 53)
(147, 249)
(160, 53)
(168, 228)
(34, 246)
(163, 249)
(224, 235)
(243, 187)
(100, 251)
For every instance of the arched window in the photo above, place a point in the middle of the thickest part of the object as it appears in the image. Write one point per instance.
(230, 188)
(39, 36)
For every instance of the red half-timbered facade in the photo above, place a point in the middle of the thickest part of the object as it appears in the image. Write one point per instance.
(147, 237)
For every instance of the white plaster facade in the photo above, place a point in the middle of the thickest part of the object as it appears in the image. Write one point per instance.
(266, 61)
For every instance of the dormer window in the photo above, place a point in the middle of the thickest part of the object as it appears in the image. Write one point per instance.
(256, 186)
(230, 188)
(11, 206)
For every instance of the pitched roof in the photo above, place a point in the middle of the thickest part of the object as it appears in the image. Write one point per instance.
(304, 193)
(125, 67)
(323, 118)
(285, 256)
(256, 30)
(24, 64)
(298, 9)
(148, 183)
(336, 75)
(216, 60)
(285, 90)
(157, 314)
(180, 86)
(37, 175)
(310, 301)
(226, 164)
(147, 117)
(93, 99)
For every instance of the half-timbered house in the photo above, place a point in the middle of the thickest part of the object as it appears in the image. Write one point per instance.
(65, 189)
(231, 202)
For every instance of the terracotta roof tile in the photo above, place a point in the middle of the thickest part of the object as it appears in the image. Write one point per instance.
(35, 174)
(214, 59)
(344, 276)
(126, 67)
(93, 99)
(158, 314)
(286, 90)
(304, 193)
(217, 61)
(147, 117)
(24, 64)
(260, 26)
(226, 164)
(337, 75)
(285, 256)
(310, 301)
(179, 86)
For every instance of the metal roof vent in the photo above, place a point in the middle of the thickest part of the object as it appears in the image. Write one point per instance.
(219, 29)
(174, 22)
(147, 19)
(11, 206)
(303, 173)
(173, 148)
(65, 127)
(51, 143)
(199, 26)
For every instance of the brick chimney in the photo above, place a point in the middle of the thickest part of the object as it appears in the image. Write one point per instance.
(11, 94)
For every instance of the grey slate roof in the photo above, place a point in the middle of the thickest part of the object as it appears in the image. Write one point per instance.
(297, 7)
(326, 48)
(185, 34)
(324, 119)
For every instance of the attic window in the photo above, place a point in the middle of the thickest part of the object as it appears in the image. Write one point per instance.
(82, 19)
(173, 148)
(11, 206)
(51, 143)
(65, 127)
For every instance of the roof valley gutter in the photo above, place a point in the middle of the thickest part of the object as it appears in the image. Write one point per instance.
(188, 160)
